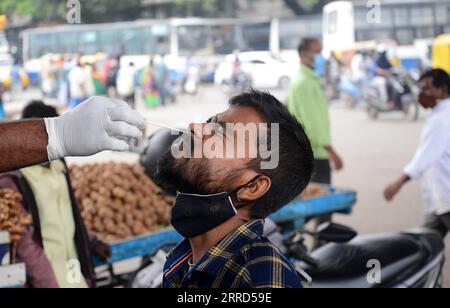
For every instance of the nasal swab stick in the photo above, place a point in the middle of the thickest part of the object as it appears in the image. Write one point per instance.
(165, 126)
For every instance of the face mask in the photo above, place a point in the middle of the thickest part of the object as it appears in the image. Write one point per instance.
(193, 215)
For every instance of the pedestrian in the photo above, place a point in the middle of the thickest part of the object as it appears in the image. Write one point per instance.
(63, 84)
(162, 79)
(126, 83)
(99, 81)
(308, 104)
(77, 85)
(48, 76)
(149, 85)
(333, 73)
(431, 162)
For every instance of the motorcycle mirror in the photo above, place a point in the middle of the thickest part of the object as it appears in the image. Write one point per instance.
(336, 233)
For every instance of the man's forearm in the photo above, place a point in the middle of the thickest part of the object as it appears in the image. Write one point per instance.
(404, 179)
(22, 144)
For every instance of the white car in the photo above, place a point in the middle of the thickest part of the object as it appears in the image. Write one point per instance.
(264, 69)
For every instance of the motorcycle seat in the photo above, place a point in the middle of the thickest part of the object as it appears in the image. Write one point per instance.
(348, 265)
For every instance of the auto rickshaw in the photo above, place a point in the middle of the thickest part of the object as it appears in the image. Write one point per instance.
(441, 52)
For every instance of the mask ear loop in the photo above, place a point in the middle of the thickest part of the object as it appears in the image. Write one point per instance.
(237, 191)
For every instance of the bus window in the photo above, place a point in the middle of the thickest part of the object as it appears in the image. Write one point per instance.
(69, 42)
(161, 39)
(110, 41)
(42, 44)
(194, 40)
(338, 27)
(257, 36)
(88, 42)
(133, 41)
(332, 22)
(224, 39)
(292, 31)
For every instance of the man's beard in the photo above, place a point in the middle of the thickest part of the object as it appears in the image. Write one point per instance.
(183, 175)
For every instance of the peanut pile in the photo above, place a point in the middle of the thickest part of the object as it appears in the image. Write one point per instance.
(12, 216)
(118, 201)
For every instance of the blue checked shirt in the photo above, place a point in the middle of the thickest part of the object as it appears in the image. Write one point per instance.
(243, 259)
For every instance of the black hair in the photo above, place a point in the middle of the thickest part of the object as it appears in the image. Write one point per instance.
(38, 109)
(305, 44)
(296, 158)
(440, 78)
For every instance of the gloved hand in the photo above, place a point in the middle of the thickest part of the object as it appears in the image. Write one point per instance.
(96, 125)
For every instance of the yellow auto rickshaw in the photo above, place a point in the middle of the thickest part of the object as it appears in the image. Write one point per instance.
(441, 52)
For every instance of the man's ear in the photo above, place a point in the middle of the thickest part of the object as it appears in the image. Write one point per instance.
(255, 190)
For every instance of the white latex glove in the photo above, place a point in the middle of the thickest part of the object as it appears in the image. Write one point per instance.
(96, 125)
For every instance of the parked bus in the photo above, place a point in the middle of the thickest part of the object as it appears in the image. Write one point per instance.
(203, 39)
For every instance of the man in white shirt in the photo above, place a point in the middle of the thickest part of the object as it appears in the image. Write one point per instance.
(432, 159)
(77, 82)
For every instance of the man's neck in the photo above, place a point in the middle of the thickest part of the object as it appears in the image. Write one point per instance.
(202, 243)
(308, 65)
(439, 102)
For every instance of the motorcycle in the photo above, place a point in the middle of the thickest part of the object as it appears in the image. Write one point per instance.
(408, 259)
(237, 84)
(404, 90)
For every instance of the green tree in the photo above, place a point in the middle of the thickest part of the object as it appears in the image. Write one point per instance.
(91, 10)
(39, 9)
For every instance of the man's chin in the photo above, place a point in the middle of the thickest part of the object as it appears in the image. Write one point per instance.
(169, 174)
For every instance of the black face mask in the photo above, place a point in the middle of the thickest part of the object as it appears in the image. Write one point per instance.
(193, 215)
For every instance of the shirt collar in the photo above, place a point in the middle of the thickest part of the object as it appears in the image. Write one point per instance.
(306, 70)
(56, 166)
(221, 252)
(442, 105)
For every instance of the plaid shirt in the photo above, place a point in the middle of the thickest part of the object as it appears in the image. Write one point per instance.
(243, 259)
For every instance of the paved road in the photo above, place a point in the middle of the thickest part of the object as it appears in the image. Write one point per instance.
(374, 154)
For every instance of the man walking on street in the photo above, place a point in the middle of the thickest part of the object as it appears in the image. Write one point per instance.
(432, 159)
(308, 104)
